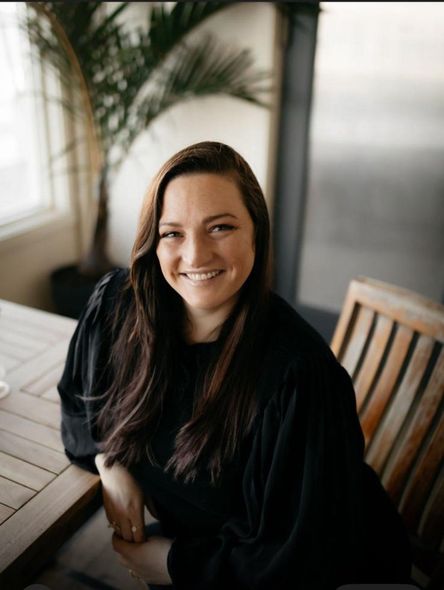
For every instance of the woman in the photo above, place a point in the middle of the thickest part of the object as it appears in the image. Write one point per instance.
(193, 388)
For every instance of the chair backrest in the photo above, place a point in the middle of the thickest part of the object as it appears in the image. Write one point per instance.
(390, 341)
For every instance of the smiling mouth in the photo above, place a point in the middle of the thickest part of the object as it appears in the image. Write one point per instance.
(202, 276)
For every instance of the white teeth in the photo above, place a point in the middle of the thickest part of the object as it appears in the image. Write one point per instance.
(203, 276)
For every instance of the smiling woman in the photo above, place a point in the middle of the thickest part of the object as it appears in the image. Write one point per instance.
(205, 260)
(192, 388)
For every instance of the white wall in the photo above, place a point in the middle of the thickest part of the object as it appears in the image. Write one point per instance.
(26, 261)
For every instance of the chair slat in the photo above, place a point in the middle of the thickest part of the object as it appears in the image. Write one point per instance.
(414, 498)
(400, 463)
(349, 309)
(391, 425)
(357, 339)
(384, 388)
(373, 358)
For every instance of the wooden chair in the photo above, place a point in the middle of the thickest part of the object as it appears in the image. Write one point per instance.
(390, 341)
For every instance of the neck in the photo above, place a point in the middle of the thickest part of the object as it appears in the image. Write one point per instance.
(203, 325)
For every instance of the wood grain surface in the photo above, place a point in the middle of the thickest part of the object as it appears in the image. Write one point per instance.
(43, 499)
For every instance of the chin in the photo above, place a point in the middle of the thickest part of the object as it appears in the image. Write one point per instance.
(204, 305)
(208, 303)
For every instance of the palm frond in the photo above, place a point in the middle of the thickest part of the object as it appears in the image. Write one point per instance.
(168, 27)
(200, 69)
(207, 68)
(118, 64)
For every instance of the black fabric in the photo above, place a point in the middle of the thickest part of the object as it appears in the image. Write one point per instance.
(296, 508)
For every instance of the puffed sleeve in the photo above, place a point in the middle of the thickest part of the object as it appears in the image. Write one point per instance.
(86, 374)
(303, 522)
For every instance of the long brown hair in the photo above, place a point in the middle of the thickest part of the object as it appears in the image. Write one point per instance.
(147, 339)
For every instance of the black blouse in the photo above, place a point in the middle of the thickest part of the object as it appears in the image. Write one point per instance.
(297, 508)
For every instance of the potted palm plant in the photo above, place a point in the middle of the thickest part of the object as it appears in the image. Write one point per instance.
(125, 79)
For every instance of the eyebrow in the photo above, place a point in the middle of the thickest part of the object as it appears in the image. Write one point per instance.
(206, 220)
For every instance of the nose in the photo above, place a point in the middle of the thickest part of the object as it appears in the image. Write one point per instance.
(196, 252)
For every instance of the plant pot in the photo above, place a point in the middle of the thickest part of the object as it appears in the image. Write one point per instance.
(70, 290)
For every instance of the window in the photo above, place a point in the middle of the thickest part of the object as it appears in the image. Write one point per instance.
(26, 187)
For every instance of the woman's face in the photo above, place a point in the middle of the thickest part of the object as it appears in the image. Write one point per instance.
(206, 241)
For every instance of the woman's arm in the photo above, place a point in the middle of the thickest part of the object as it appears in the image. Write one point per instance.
(124, 506)
(123, 500)
(86, 374)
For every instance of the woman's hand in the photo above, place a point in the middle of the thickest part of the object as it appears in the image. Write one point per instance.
(123, 501)
(146, 560)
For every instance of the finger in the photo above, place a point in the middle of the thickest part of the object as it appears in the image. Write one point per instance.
(113, 521)
(125, 530)
(113, 524)
(123, 527)
(138, 525)
(138, 532)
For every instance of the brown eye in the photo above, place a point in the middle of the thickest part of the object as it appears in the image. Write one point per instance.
(170, 234)
(221, 227)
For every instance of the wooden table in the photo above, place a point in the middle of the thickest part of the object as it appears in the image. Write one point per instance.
(43, 499)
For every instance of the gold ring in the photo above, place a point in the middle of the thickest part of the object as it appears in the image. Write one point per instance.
(134, 528)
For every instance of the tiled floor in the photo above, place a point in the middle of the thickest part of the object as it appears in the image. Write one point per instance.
(87, 561)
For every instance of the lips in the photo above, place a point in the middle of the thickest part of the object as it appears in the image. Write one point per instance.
(202, 276)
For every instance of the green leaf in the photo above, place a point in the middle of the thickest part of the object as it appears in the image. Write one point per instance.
(206, 68)
(132, 76)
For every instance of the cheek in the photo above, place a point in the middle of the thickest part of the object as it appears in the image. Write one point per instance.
(251, 260)
(244, 255)
(163, 267)
(164, 256)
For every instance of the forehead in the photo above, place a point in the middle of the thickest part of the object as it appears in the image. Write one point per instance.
(203, 193)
